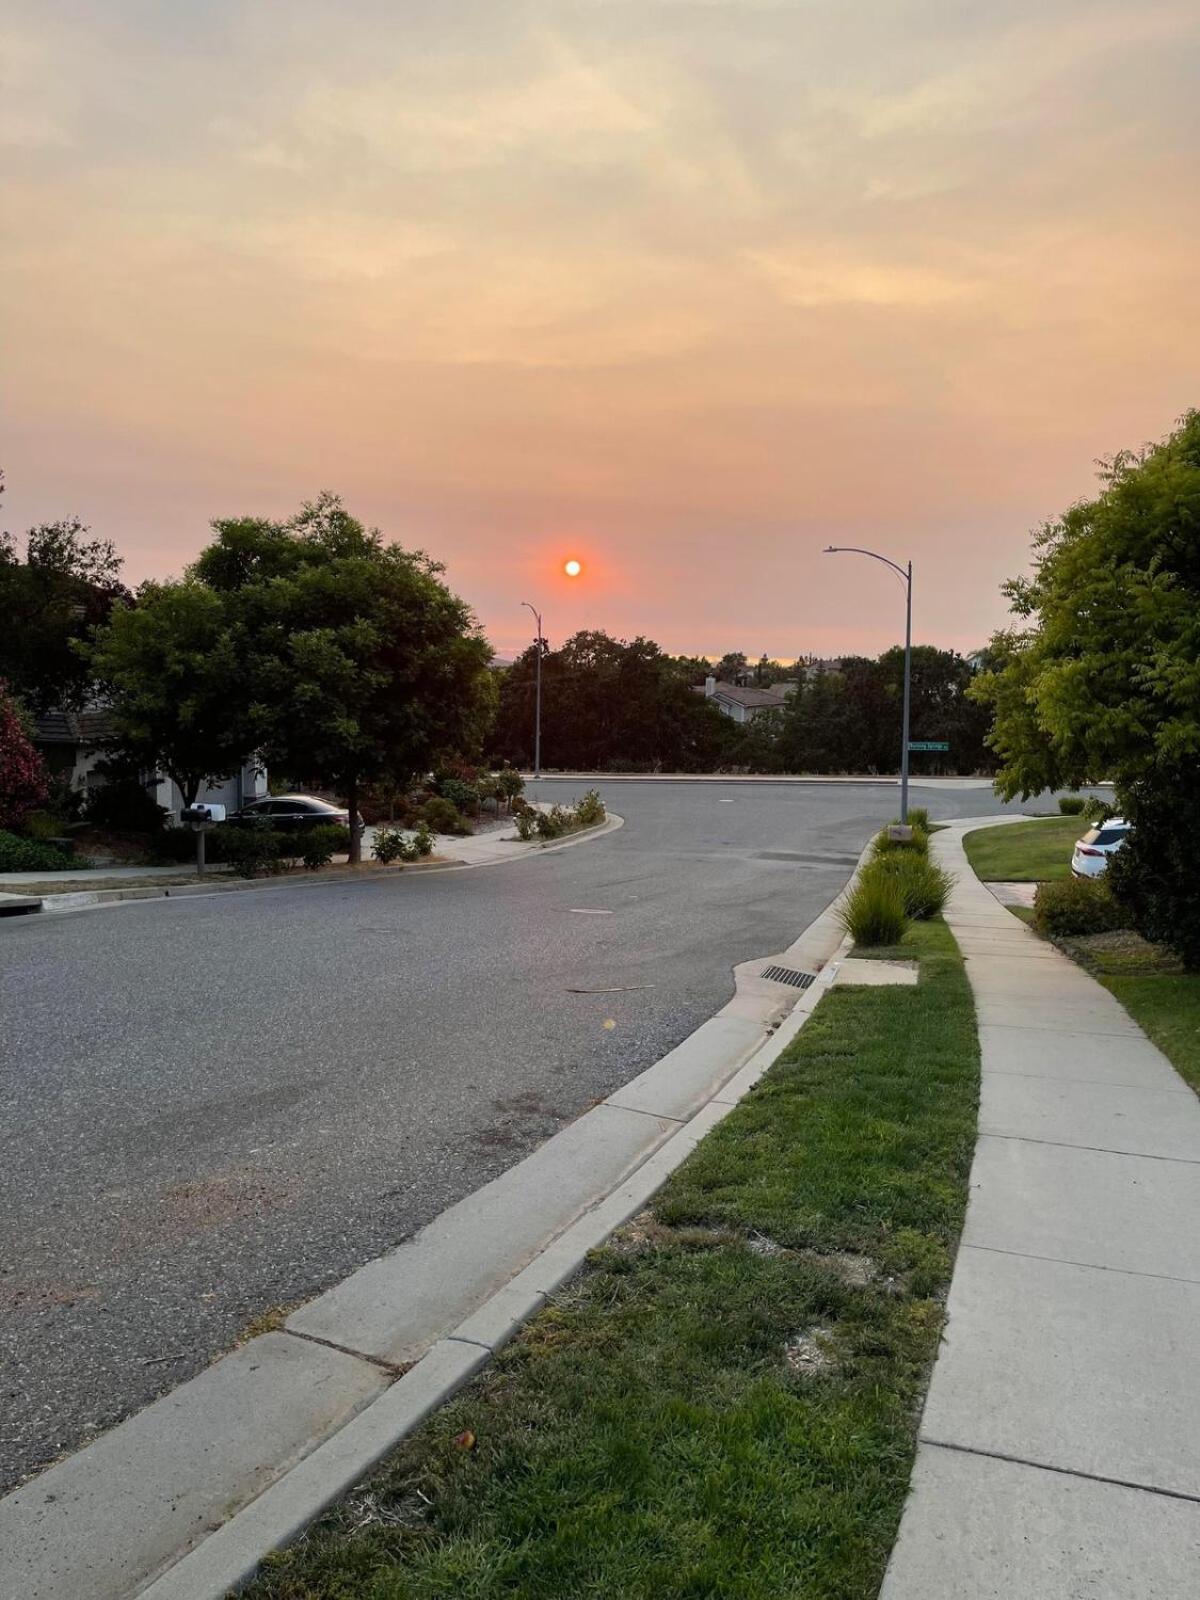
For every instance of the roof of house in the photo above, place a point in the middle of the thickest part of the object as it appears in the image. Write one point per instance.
(88, 726)
(751, 698)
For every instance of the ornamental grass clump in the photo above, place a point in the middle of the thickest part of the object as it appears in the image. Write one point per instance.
(873, 912)
(925, 886)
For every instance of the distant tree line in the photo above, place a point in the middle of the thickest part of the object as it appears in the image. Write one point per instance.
(612, 705)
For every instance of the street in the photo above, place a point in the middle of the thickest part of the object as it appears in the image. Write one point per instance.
(216, 1107)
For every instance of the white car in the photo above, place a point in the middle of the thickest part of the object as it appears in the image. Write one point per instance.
(1098, 843)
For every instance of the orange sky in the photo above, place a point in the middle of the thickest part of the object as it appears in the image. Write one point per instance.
(685, 288)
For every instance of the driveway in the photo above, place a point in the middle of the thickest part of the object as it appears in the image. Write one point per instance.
(216, 1107)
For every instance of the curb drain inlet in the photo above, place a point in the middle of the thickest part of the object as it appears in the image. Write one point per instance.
(790, 976)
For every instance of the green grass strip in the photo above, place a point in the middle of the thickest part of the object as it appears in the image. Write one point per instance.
(723, 1406)
(1025, 852)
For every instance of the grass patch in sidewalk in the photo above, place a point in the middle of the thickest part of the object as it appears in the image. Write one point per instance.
(1025, 852)
(724, 1403)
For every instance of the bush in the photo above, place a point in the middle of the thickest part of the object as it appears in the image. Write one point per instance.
(924, 885)
(918, 845)
(590, 810)
(30, 855)
(1071, 805)
(1153, 874)
(442, 816)
(462, 796)
(554, 823)
(124, 805)
(873, 912)
(391, 844)
(918, 817)
(527, 823)
(249, 850)
(510, 784)
(1076, 906)
(318, 846)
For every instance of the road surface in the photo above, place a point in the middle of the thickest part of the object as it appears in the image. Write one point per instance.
(213, 1107)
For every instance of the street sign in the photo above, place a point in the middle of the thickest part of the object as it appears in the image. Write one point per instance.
(928, 744)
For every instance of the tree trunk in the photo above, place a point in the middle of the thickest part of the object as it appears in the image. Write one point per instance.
(352, 807)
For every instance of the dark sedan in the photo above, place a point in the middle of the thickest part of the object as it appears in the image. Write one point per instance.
(293, 813)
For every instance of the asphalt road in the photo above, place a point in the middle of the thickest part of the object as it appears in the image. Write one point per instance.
(217, 1106)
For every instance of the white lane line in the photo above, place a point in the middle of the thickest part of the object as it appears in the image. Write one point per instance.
(586, 911)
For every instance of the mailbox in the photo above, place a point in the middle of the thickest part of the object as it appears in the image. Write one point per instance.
(200, 814)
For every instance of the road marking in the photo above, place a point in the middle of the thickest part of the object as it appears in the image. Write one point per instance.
(586, 911)
(726, 802)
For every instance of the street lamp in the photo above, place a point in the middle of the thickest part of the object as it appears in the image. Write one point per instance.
(537, 716)
(905, 575)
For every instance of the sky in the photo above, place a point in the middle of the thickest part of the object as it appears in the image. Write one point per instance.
(684, 289)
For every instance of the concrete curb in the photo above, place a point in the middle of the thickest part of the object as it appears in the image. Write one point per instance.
(126, 1515)
(88, 899)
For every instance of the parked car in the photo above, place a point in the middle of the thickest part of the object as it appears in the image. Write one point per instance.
(293, 813)
(1093, 850)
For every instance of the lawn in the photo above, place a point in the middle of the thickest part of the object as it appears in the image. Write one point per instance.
(1153, 987)
(1025, 852)
(724, 1403)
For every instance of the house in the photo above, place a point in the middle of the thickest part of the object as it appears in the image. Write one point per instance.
(72, 744)
(744, 703)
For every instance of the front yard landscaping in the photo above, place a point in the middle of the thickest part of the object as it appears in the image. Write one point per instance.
(724, 1403)
(1025, 852)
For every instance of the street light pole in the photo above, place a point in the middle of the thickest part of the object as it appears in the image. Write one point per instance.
(537, 716)
(905, 575)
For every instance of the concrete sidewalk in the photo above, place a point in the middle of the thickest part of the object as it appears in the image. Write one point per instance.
(1058, 1453)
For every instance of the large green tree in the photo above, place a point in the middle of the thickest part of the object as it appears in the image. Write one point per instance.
(56, 586)
(172, 670)
(358, 663)
(1100, 678)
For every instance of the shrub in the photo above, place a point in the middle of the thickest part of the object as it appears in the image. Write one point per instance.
(917, 845)
(391, 844)
(924, 885)
(43, 826)
(554, 823)
(918, 816)
(31, 855)
(510, 784)
(1071, 805)
(462, 796)
(873, 912)
(24, 784)
(1153, 874)
(442, 816)
(1076, 906)
(124, 804)
(527, 823)
(590, 810)
(318, 846)
(249, 850)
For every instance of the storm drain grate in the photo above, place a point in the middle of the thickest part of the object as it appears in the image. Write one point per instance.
(789, 975)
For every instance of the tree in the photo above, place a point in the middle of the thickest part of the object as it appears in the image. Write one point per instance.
(53, 593)
(172, 668)
(359, 664)
(1101, 677)
(23, 785)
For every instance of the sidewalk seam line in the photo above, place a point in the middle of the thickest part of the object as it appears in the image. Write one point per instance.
(1103, 1083)
(1087, 1266)
(1065, 1472)
(1101, 1149)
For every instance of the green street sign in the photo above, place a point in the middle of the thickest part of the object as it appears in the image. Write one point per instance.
(928, 744)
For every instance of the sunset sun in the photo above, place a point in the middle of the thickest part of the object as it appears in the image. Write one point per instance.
(572, 568)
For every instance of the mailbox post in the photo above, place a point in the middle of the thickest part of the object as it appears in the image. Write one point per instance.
(201, 818)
